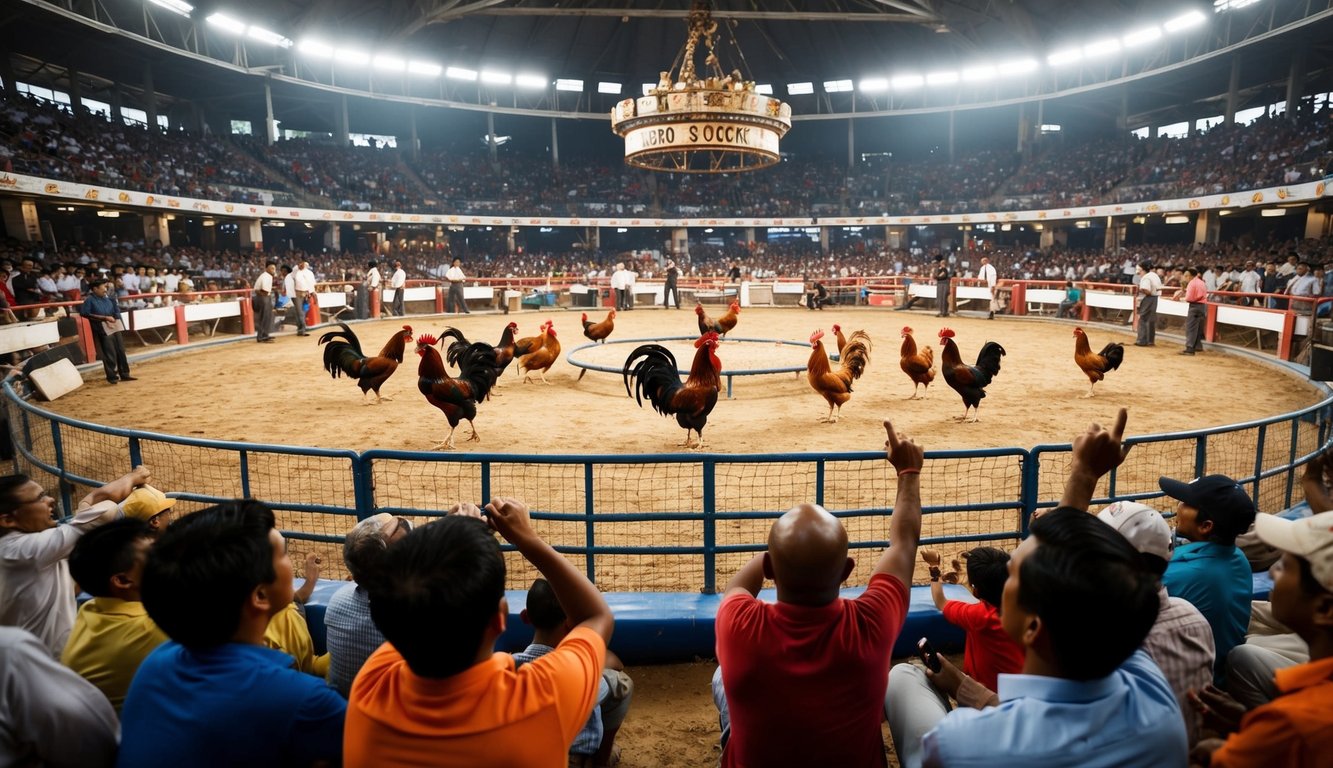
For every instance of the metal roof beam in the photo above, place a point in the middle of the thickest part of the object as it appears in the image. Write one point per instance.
(666, 13)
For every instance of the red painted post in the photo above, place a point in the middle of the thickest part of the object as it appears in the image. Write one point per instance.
(247, 316)
(1285, 337)
(86, 343)
(312, 314)
(1210, 323)
(439, 300)
(375, 305)
(1086, 312)
(182, 330)
(1019, 298)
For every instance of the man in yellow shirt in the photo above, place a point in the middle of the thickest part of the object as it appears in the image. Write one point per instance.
(112, 632)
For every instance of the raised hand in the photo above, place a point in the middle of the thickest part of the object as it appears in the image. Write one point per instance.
(904, 454)
(1098, 451)
(509, 517)
(930, 557)
(466, 509)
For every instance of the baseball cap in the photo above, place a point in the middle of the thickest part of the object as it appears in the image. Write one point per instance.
(1217, 495)
(1310, 538)
(1141, 525)
(146, 502)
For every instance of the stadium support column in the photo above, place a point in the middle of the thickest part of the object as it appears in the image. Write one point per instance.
(680, 241)
(252, 234)
(7, 70)
(21, 221)
(149, 97)
(490, 135)
(114, 98)
(1207, 228)
(340, 129)
(75, 90)
(951, 116)
(1115, 234)
(414, 143)
(155, 228)
(1233, 90)
(594, 237)
(1316, 224)
(823, 240)
(1047, 237)
(1023, 128)
(1296, 80)
(555, 146)
(270, 127)
(333, 237)
(1122, 119)
(749, 235)
(511, 239)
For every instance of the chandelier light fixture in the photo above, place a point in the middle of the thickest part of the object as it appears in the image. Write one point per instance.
(709, 121)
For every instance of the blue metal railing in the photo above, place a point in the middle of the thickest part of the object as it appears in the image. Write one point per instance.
(322, 489)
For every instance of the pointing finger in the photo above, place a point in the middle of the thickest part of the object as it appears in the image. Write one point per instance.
(893, 437)
(1121, 418)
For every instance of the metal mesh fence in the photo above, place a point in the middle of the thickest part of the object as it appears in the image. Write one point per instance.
(661, 524)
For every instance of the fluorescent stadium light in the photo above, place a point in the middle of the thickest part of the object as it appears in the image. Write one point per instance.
(530, 81)
(316, 48)
(1067, 56)
(837, 86)
(873, 84)
(1101, 47)
(800, 89)
(1269, 213)
(458, 73)
(562, 84)
(496, 78)
(979, 74)
(1176, 220)
(1142, 36)
(764, 88)
(351, 57)
(941, 78)
(425, 68)
(611, 88)
(175, 6)
(907, 82)
(389, 63)
(265, 36)
(1018, 66)
(1230, 5)
(223, 21)
(1185, 21)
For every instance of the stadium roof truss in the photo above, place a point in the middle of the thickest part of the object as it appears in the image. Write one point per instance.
(418, 46)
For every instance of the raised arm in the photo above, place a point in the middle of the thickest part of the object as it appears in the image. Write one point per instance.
(907, 459)
(1096, 452)
(117, 490)
(750, 578)
(580, 599)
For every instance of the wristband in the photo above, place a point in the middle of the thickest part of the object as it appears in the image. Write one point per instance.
(934, 573)
(909, 471)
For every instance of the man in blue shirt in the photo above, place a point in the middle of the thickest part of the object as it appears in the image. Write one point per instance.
(213, 695)
(1211, 571)
(1080, 603)
(103, 315)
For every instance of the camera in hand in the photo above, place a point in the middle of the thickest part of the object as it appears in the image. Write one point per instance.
(928, 656)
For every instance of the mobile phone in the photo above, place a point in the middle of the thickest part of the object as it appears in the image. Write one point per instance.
(928, 656)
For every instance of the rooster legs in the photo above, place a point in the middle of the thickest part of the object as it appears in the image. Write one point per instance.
(831, 418)
(475, 437)
(448, 444)
(916, 387)
(1090, 392)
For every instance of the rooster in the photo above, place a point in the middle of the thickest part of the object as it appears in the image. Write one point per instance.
(599, 331)
(528, 344)
(721, 325)
(541, 358)
(1096, 366)
(689, 401)
(842, 340)
(456, 397)
(836, 386)
(919, 366)
(970, 381)
(343, 356)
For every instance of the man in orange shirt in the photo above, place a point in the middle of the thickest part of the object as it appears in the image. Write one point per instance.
(436, 694)
(1296, 728)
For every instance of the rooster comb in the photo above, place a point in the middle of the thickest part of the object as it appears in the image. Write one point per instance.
(407, 328)
(426, 340)
(907, 329)
(836, 327)
(945, 333)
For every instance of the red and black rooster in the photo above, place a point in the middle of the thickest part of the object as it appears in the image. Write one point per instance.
(690, 401)
(343, 356)
(456, 397)
(970, 381)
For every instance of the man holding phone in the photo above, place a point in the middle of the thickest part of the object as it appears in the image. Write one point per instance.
(801, 682)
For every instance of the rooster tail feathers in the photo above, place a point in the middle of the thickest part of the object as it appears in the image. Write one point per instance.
(988, 359)
(654, 373)
(1114, 354)
(342, 357)
(345, 335)
(856, 354)
(862, 337)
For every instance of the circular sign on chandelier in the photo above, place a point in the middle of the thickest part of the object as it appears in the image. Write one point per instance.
(714, 123)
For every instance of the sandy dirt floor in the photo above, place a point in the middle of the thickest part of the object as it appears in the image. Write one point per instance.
(279, 393)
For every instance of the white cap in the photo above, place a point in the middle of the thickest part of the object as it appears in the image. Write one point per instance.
(1310, 538)
(1141, 525)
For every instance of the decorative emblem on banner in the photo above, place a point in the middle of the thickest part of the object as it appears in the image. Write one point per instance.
(123, 197)
(1282, 193)
(90, 194)
(229, 208)
(1257, 197)
(1194, 204)
(52, 189)
(1318, 189)
(8, 181)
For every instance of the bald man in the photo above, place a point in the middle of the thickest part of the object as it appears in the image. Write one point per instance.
(802, 681)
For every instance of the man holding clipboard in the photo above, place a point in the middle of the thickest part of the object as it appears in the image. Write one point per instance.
(104, 317)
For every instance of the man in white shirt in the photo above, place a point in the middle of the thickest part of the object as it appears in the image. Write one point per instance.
(263, 303)
(455, 301)
(987, 273)
(371, 288)
(1150, 286)
(618, 285)
(36, 591)
(398, 282)
(303, 286)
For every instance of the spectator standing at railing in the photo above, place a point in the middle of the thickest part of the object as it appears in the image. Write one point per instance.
(456, 303)
(24, 285)
(1273, 283)
(1195, 294)
(303, 287)
(942, 283)
(987, 273)
(1303, 285)
(263, 303)
(1150, 286)
(398, 282)
(103, 315)
(670, 290)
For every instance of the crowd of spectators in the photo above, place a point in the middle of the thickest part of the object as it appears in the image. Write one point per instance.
(44, 139)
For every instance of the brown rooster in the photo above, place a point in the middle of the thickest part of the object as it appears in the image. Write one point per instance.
(343, 356)
(542, 358)
(689, 401)
(456, 398)
(599, 331)
(837, 334)
(836, 386)
(721, 325)
(1096, 366)
(526, 345)
(919, 366)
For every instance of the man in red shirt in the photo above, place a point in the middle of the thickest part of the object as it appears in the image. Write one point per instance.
(802, 681)
(989, 651)
(1196, 294)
